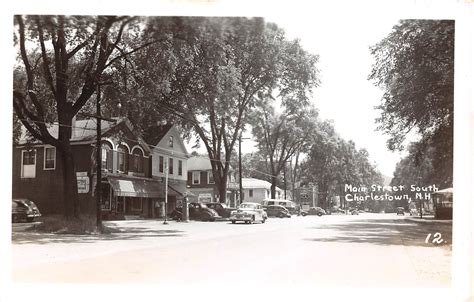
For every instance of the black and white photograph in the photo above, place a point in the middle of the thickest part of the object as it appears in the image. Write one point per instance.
(216, 150)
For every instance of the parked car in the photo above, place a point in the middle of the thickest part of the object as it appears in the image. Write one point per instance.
(314, 211)
(277, 211)
(221, 208)
(249, 212)
(288, 204)
(199, 211)
(24, 210)
(400, 211)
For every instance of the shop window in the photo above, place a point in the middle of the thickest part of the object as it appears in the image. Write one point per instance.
(137, 204)
(28, 163)
(49, 158)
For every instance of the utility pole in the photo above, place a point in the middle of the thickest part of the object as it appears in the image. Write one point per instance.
(240, 168)
(284, 178)
(98, 163)
(166, 191)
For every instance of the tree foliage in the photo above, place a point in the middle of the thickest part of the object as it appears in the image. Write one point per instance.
(333, 162)
(414, 65)
(222, 68)
(283, 134)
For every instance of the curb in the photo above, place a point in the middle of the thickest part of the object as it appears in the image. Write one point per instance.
(429, 221)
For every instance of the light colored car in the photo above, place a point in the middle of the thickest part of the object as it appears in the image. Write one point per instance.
(248, 212)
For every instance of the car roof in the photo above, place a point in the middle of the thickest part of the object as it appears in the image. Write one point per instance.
(254, 203)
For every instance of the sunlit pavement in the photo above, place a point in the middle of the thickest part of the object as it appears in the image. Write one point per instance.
(361, 250)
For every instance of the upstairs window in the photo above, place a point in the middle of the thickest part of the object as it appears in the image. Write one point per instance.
(180, 167)
(106, 156)
(49, 158)
(170, 166)
(161, 164)
(210, 177)
(122, 159)
(196, 177)
(171, 143)
(28, 163)
(138, 160)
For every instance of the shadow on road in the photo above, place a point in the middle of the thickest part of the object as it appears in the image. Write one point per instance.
(128, 233)
(387, 232)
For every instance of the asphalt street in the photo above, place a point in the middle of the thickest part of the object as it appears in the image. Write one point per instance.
(365, 250)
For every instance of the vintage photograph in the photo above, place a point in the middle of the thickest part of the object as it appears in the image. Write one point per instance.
(233, 151)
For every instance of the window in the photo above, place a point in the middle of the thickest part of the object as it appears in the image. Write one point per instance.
(180, 167)
(122, 156)
(161, 164)
(170, 166)
(138, 160)
(107, 157)
(171, 142)
(49, 158)
(250, 193)
(210, 177)
(196, 177)
(28, 163)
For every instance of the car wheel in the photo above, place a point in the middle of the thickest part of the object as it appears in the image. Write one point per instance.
(30, 219)
(263, 220)
(233, 221)
(319, 214)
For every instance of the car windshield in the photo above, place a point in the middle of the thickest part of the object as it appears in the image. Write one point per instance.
(247, 206)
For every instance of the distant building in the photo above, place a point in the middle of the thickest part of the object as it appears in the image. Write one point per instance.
(201, 182)
(256, 190)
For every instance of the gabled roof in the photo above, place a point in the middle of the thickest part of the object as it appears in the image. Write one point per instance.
(255, 183)
(155, 134)
(199, 163)
(84, 131)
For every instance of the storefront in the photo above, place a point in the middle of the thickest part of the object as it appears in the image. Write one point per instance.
(131, 196)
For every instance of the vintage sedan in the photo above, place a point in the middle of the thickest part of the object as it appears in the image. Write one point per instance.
(221, 208)
(24, 210)
(277, 211)
(249, 212)
(314, 211)
(199, 211)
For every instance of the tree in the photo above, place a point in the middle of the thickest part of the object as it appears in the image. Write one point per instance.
(414, 64)
(224, 69)
(282, 135)
(55, 80)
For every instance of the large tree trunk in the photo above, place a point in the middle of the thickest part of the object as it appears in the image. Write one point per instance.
(222, 188)
(273, 187)
(70, 194)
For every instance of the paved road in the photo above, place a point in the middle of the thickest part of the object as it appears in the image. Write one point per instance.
(364, 250)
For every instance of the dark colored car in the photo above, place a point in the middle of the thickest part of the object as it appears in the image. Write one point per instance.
(400, 211)
(24, 210)
(221, 208)
(314, 211)
(277, 211)
(199, 211)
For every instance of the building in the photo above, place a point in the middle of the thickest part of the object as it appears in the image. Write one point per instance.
(201, 182)
(129, 186)
(256, 190)
(169, 161)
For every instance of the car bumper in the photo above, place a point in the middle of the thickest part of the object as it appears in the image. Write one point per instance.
(240, 218)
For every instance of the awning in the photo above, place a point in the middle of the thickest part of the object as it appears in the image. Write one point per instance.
(135, 187)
